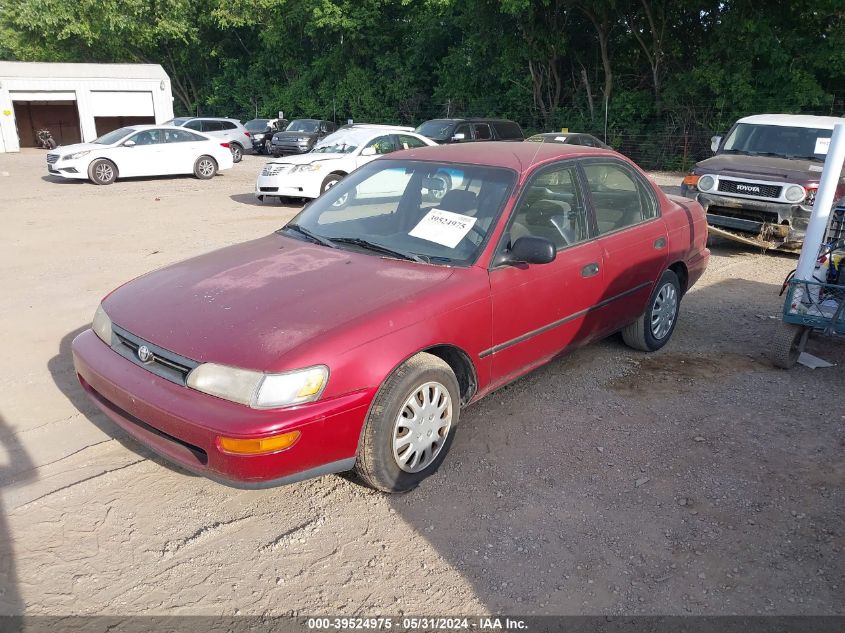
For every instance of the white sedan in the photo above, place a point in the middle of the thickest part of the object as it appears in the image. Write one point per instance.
(141, 150)
(309, 175)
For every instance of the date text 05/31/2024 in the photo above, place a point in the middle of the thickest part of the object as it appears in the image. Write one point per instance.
(416, 624)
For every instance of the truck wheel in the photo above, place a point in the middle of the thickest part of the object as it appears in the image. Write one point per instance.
(410, 426)
(654, 328)
(788, 344)
(102, 172)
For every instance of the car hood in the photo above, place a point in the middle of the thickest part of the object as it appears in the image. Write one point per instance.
(63, 150)
(248, 305)
(761, 167)
(304, 159)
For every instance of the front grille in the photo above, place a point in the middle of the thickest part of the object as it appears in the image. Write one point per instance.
(268, 189)
(164, 363)
(52, 158)
(274, 169)
(749, 188)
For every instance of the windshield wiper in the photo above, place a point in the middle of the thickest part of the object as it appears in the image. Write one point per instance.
(816, 158)
(378, 248)
(311, 236)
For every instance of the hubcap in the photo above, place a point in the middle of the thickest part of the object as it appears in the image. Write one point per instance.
(206, 168)
(236, 153)
(664, 310)
(104, 172)
(422, 427)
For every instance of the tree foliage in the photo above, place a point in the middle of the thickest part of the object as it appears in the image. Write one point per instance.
(655, 76)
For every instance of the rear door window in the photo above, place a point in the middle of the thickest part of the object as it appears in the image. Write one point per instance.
(212, 126)
(181, 136)
(483, 132)
(194, 125)
(619, 198)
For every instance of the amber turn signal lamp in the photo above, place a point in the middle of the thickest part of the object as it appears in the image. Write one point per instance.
(691, 180)
(257, 446)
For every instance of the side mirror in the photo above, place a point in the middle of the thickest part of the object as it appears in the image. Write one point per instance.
(460, 136)
(529, 250)
(129, 144)
(368, 151)
(714, 143)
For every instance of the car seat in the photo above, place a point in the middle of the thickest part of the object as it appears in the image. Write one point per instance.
(459, 201)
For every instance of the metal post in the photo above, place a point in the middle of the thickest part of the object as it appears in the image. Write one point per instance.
(824, 201)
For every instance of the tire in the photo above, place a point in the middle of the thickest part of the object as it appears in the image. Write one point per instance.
(437, 195)
(51, 144)
(654, 328)
(330, 181)
(237, 152)
(102, 172)
(788, 344)
(378, 462)
(205, 168)
(267, 147)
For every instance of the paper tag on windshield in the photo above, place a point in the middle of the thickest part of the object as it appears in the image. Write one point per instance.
(822, 145)
(562, 139)
(443, 227)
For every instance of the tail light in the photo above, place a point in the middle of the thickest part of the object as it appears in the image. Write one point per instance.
(247, 134)
(226, 145)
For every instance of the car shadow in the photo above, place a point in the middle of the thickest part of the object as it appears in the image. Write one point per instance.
(58, 180)
(17, 469)
(247, 199)
(584, 487)
(64, 376)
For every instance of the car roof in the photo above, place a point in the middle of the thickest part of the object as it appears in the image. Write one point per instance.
(474, 120)
(794, 120)
(517, 156)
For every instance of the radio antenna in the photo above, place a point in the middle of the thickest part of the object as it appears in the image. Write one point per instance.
(537, 151)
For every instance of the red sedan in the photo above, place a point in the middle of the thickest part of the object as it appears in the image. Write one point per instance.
(353, 337)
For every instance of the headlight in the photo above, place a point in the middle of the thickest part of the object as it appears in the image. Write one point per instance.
(309, 167)
(795, 193)
(258, 137)
(76, 155)
(257, 389)
(706, 183)
(102, 325)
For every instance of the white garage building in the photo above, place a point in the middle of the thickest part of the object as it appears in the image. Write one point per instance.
(78, 102)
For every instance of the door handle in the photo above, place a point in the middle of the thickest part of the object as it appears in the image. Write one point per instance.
(659, 243)
(590, 270)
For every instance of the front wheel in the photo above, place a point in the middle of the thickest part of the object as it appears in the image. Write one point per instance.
(268, 147)
(102, 172)
(205, 168)
(654, 328)
(237, 153)
(51, 144)
(410, 426)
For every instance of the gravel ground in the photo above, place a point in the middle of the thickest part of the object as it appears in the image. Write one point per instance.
(697, 480)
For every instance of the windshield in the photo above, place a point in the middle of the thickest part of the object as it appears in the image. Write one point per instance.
(430, 212)
(344, 141)
(778, 140)
(303, 125)
(436, 130)
(257, 125)
(115, 136)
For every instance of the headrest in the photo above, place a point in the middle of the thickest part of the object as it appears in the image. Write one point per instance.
(458, 201)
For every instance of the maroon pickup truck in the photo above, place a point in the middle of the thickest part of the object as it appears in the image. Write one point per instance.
(760, 186)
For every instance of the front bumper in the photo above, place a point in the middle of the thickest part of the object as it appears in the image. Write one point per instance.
(182, 425)
(299, 185)
(69, 169)
(773, 225)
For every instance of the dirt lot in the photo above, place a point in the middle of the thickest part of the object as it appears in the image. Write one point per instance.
(696, 480)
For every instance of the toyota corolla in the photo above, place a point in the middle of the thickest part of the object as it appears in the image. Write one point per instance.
(354, 336)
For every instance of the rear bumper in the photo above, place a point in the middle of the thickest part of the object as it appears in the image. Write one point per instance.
(182, 425)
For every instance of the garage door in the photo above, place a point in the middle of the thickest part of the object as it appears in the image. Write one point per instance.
(114, 103)
(60, 117)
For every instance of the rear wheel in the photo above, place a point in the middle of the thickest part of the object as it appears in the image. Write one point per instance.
(654, 328)
(237, 152)
(102, 172)
(267, 147)
(205, 168)
(410, 426)
(788, 344)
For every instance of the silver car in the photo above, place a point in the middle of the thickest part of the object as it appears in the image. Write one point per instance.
(230, 130)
